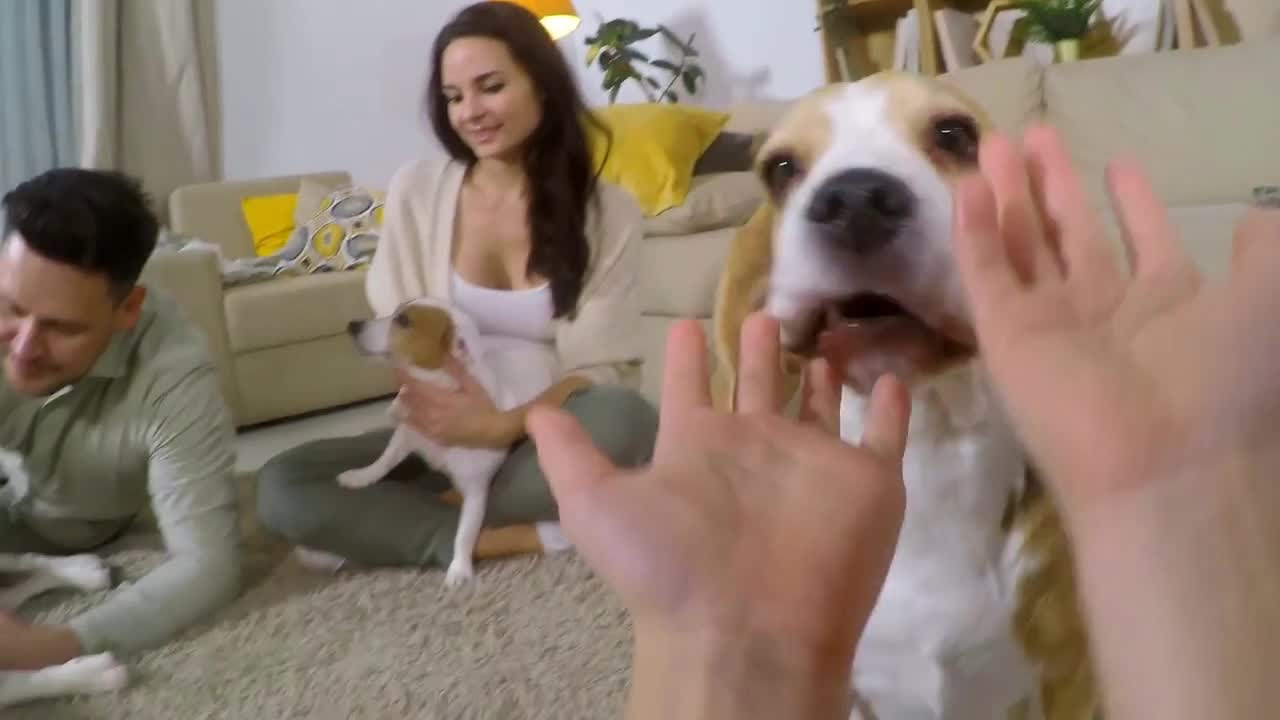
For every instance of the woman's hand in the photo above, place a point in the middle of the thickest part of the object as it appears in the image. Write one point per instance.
(750, 534)
(466, 416)
(1111, 376)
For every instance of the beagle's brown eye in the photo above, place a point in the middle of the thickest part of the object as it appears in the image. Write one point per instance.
(957, 136)
(779, 171)
(402, 320)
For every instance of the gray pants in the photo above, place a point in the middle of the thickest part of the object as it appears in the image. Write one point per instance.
(402, 520)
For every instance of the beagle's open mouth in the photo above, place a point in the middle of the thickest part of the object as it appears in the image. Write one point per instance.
(870, 334)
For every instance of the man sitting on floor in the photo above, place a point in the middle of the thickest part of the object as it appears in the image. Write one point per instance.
(112, 400)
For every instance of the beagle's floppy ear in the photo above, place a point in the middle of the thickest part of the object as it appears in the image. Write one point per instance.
(741, 291)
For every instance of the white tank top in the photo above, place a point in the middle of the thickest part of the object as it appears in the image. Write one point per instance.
(521, 314)
(518, 331)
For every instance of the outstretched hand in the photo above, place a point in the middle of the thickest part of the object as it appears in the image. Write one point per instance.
(746, 523)
(1110, 373)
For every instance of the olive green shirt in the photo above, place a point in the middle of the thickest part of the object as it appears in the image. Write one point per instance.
(146, 426)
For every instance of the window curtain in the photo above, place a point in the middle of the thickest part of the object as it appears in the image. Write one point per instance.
(37, 95)
(146, 90)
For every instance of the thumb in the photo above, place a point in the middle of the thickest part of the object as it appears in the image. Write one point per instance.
(888, 416)
(569, 459)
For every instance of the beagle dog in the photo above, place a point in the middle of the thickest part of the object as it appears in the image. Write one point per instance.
(851, 253)
(31, 575)
(421, 335)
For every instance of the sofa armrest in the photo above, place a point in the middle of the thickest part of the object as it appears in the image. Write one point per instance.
(193, 277)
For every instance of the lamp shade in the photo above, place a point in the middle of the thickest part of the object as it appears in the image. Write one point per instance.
(559, 17)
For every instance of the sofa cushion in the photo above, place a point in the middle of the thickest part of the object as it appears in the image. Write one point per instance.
(653, 149)
(211, 211)
(1007, 89)
(756, 116)
(714, 201)
(679, 274)
(294, 309)
(1202, 122)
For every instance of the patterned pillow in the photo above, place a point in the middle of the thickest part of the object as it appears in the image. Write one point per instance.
(343, 235)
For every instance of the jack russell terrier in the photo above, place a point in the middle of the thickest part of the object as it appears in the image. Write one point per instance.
(851, 252)
(421, 335)
(27, 575)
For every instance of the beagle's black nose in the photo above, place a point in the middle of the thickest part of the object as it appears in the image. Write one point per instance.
(861, 209)
(354, 326)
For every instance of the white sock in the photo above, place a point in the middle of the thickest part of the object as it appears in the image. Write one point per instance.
(552, 537)
(319, 559)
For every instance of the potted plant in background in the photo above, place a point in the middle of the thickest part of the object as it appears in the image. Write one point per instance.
(612, 47)
(1059, 22)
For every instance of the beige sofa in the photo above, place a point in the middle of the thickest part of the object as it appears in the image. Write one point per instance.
(1205, 123)
(281, 344)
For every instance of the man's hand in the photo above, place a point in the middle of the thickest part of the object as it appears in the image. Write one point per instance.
(753, 543)
(1110, 374)
(24, 646)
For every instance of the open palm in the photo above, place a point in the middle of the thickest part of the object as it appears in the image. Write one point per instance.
(1108, 373)
(745, 521)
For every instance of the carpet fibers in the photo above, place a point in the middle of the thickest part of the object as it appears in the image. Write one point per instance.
(534, 637)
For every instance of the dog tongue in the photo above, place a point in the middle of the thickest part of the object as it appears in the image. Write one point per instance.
(867, 348)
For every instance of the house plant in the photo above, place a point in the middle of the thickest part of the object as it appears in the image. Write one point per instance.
(1059, 22)
(613, 48)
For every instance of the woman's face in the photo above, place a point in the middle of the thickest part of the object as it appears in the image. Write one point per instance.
(493, 103)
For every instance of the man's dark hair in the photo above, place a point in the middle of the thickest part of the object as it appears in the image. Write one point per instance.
(100, 221)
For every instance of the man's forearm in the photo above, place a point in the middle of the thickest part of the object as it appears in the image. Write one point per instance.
(1181, 585)
(708, 675)
(184, 589)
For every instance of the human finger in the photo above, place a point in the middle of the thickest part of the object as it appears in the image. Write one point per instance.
(759, 373)
(1033, 256)
(1258, 232)
(990, 282)
(566, 454)
(1149, 238)
(822, 395)
(1090, 262)
(888, 416)
(685, 375)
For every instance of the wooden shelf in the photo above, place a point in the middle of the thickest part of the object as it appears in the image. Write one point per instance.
(879, 12)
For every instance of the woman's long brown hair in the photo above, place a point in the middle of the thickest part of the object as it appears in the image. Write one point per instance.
(558, 160)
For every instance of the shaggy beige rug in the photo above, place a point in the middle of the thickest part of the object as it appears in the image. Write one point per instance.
(530, 638)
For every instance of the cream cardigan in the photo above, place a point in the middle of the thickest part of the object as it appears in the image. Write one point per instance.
(600, 342)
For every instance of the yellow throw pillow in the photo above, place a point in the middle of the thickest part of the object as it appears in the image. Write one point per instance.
(270, 220)
(655, 146)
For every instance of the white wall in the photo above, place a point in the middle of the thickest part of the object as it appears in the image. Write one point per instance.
(313, 85)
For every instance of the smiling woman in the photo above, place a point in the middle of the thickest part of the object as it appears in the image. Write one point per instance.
(515, 229)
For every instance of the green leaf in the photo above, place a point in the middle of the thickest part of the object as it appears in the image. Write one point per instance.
(665, 65)
(592, 52)
(690, 82)
(646, 33)
(672, 98)
(652, 83)
(635, 55)
(613, 93)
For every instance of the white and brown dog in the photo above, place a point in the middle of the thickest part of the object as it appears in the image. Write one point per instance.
(23, 576)
(421, 335)
(851, 252)
(33, 575)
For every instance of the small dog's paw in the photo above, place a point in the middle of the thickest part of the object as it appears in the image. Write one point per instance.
(356, 479)
(99, 673)
(84, 572)
(458, 574)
